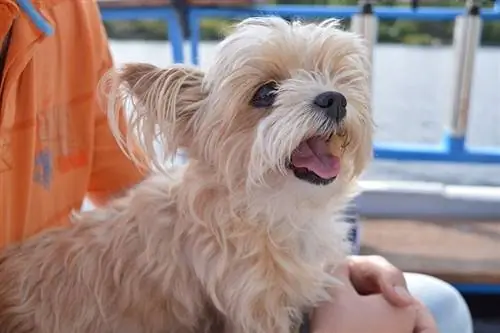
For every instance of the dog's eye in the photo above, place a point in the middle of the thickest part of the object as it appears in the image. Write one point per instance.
(265, 95)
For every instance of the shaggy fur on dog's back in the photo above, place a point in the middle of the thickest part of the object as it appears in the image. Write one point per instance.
(109, 273)
(137, 266)
(236, 241)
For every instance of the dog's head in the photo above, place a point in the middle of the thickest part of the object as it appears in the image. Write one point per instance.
(283, 104)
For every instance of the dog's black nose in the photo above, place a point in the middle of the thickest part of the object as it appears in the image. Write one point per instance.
(333, 104)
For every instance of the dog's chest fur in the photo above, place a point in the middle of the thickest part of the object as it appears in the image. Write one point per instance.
(141, 264)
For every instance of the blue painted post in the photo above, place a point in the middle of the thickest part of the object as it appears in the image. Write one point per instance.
(194, 28)
(175, 35)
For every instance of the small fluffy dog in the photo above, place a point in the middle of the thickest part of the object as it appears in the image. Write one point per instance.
(238, 240)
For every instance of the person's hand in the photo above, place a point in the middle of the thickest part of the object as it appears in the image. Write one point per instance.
(424, 321)
(375, 275)
(350, 312)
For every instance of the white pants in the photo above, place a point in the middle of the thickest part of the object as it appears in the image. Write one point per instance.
(448, 307)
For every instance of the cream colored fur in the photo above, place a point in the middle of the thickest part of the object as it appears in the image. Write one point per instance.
(231, 242)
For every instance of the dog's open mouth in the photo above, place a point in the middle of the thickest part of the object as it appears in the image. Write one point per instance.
(316, 160)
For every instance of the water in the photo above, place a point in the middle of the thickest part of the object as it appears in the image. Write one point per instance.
(411, 101)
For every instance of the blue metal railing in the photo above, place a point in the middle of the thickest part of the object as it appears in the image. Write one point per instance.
(196, 14)
(452, 149)
(164, 13)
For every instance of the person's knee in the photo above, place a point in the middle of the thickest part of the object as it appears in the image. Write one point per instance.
(440, 293)
(444, 301)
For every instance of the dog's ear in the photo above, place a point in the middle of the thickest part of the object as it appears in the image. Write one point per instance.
(164, 103)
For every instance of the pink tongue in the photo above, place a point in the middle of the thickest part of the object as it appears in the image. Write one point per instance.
(315, 156)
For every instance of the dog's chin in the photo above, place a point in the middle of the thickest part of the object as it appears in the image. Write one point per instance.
(312, 161)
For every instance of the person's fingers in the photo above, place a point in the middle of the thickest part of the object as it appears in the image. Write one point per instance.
(395, 293)
(425, 322)
(341, 273)
(374, 275)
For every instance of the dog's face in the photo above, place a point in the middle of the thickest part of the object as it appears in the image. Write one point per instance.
(283, 104)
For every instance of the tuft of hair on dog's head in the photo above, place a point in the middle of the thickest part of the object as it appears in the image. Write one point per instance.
(277, 94)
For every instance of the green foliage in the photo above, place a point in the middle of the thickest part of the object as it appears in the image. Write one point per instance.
(153, 30)
(491, 33)
(214, 29)
(390, 31)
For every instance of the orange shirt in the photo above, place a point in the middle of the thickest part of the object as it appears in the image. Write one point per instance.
(55, 143)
